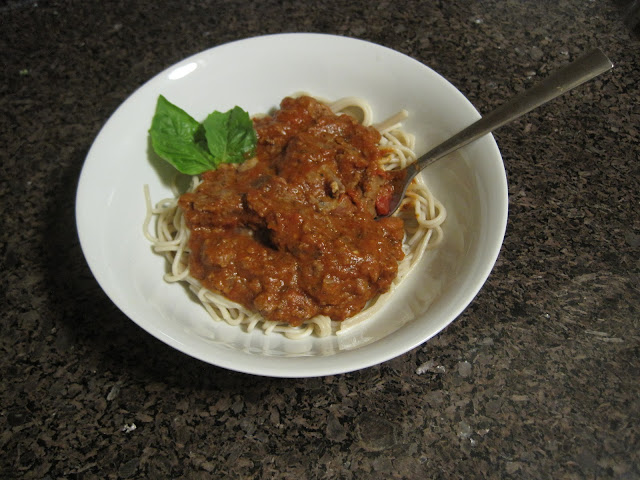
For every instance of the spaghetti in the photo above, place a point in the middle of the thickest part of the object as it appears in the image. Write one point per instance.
(422, 214)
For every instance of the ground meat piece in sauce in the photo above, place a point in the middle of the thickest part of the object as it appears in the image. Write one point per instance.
(293, 235)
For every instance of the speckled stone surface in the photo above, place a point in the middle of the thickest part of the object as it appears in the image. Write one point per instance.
(538, 378)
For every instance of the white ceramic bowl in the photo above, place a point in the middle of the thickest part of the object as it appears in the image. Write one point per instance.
(256, 74)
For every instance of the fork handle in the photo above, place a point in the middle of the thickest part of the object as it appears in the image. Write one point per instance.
(561, 81)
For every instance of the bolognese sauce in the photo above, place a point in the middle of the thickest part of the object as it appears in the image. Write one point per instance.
(292, 233)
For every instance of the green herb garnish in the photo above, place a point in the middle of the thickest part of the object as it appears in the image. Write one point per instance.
(193, 147)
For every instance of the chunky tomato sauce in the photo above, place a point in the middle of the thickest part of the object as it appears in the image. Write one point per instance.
(292, 233)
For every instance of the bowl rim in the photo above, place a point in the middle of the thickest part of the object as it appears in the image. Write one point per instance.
(395, 343)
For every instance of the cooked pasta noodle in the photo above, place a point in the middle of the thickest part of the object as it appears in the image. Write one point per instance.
(422, 213)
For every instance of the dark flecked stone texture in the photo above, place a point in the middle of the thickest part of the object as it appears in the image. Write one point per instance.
(538, 378)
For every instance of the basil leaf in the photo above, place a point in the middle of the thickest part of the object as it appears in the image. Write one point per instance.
(193, 147)
(230, 136)
(178, 139)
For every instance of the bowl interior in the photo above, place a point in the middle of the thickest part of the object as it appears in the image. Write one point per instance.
(256, 74)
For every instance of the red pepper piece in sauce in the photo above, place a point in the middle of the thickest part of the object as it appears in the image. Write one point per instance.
(383, 201)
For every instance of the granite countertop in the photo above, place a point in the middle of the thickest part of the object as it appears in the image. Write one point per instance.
(538, 378)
